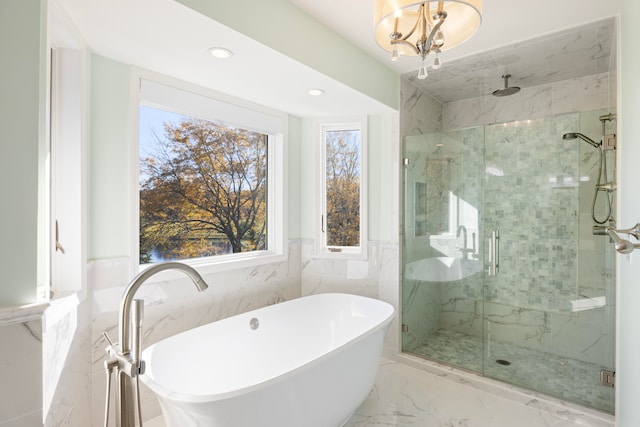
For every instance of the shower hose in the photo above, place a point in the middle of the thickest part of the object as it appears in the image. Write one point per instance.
(602, 165)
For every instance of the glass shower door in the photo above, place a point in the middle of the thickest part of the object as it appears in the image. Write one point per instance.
(442, 247)
(547, 320)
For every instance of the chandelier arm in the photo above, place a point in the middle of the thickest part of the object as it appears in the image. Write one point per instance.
(426, 14)
(415, 26)
(406, 43)
(434, 30)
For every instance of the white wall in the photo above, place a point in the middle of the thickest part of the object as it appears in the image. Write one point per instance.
(628, 337)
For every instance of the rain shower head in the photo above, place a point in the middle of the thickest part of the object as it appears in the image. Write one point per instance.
(574, 135)
(506, 91)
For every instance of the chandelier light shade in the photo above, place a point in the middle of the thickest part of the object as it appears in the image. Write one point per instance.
(420, 28)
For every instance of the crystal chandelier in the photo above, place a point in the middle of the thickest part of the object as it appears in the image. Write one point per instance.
(410, 28)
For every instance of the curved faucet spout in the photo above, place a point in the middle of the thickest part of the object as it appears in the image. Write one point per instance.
(132, 288)
(464, 235)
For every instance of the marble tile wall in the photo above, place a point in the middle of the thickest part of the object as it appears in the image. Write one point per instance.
(173, 306)
(421, 113)
(535, 308)
(21, 373)
(375, 277)
(323, 275)
(67, 362)
(532, 198)
(578, 94)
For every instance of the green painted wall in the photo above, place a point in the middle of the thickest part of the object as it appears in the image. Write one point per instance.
(110, 212)
(22, 32)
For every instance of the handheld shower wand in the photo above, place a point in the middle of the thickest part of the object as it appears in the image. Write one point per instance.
(599, 185)
(574, 135)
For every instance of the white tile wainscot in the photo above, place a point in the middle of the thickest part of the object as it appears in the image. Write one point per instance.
(21, 367)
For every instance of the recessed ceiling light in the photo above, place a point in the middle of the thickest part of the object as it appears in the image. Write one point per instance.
(220, 53)
(315, 92)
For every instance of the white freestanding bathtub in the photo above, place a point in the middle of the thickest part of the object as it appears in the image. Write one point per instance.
(308, 362)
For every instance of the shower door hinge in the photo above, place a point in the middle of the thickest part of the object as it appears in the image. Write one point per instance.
(406, 161)
(608, 378)
(405, 328)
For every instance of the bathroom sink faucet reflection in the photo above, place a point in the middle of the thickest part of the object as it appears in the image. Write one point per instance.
(464, 249)
(442, 269)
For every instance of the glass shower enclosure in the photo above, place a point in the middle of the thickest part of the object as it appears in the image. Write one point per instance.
(502, 274)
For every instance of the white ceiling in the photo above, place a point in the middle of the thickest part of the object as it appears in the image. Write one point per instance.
(165, 36)
(504, 22)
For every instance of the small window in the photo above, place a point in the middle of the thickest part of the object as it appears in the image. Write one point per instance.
(344, 202)
(206, 184)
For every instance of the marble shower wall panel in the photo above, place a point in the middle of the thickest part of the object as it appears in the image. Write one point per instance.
(426, 186)
(581, 94)
(532, 198)
(461, 306)
(577, 94)
(421, 312)
(582, 336)
(421, 113)
(173, 306)
(596, 272)
(451, 166)
(569, 54)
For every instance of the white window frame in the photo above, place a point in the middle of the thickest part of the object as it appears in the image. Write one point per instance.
(65, 228)
(322, 249)
(179, 97)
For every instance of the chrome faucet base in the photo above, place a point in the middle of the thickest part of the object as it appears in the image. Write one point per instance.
(125, 357)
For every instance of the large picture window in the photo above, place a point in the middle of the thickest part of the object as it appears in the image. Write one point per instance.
(204, 185)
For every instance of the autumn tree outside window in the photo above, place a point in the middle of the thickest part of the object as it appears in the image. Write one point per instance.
(206, 180)
(343, 225)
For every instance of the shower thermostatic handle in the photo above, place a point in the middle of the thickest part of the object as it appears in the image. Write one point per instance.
(494, 253)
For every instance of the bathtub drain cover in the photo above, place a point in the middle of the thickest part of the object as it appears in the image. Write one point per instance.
(254, 323)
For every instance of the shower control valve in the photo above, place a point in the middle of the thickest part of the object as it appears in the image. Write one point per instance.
(125, 362)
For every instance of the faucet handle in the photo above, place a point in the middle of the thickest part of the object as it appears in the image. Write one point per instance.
(106, 337)
(136, 336)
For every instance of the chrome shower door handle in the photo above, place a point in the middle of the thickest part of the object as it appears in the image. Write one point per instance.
(494, 253)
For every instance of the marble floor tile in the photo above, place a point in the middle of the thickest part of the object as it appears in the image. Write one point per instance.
(405, 397)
